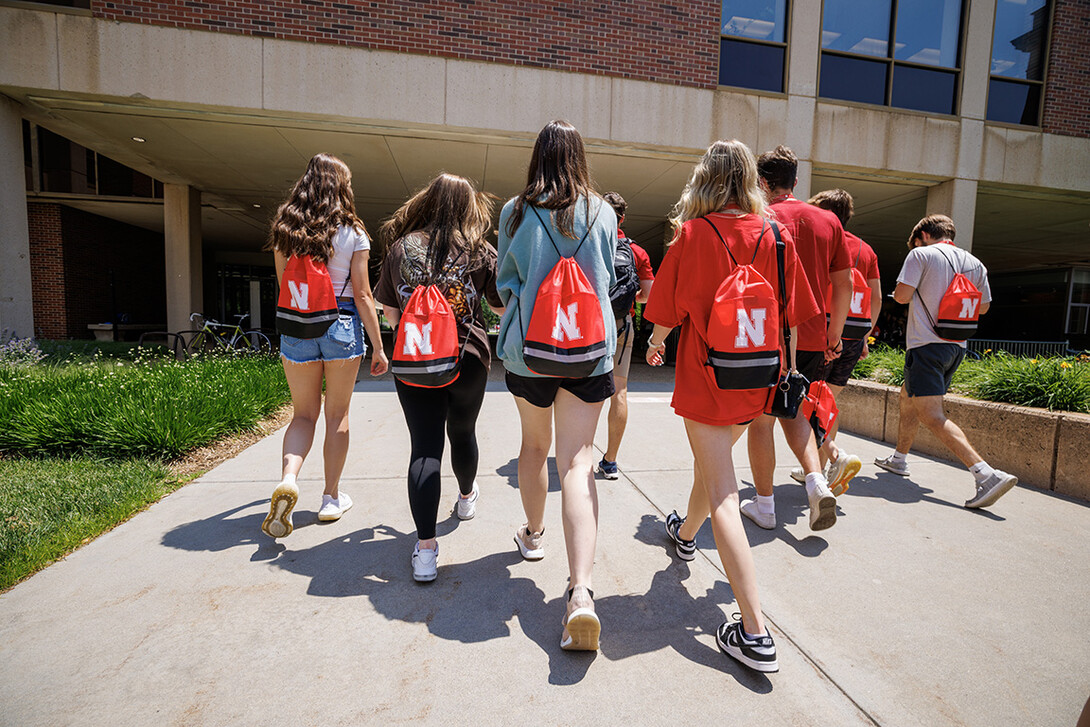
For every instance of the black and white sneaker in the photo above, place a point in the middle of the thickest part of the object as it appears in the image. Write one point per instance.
(686, 549)
(758, 654)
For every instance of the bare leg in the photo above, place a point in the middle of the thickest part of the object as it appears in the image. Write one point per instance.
(800, 437)
(929, 411)
(699, 509)
(762, 453)
(533, 472)
(340, 378)
(617, 418)
(576, 421)
(829, 450)
(711, 447)
(907, 422)
(305, 383)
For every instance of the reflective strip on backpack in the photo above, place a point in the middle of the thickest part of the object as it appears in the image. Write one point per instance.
(425, 367)
(319, 316)
(562, 355)
(738, 371)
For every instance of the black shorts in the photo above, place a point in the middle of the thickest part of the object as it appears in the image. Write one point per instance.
(839, 370)
(541, 390)
(809, 363)
(930, 369)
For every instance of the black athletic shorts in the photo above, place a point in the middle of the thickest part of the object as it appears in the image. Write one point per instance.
(541, 390)
(930, 369)
(839, 370)
(809, 363)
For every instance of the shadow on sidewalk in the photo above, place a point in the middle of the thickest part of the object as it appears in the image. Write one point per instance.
(903, 491)
(511, 472)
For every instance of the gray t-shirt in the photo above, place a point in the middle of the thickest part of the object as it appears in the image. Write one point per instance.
(930, 270)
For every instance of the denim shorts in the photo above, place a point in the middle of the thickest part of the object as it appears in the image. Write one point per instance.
(343, 340)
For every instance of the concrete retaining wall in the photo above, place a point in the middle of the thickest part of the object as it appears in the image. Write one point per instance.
(1049, 450)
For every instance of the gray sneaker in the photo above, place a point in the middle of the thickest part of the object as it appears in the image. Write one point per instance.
(841, 471)
(889, 465)
(991, 489)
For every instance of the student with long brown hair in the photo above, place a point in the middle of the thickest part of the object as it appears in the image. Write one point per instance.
(319, 220)
(558, 214)
(720, 222)
(438, 237)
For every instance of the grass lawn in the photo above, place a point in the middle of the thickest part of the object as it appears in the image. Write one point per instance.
(50, 506)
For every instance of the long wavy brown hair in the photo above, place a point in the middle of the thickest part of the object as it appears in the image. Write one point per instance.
(558, 175)
(451, 212)
(319, 203)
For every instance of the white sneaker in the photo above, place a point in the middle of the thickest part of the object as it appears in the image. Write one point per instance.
(766, 520)
(840, 472)
(333, 508)
(991, 489)
(466, 507)
(278, 523)
(822, 507)
(425, 563)
(897, 467)
(530, 543)
(798, 475)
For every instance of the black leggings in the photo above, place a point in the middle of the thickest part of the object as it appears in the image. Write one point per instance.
(428, 412)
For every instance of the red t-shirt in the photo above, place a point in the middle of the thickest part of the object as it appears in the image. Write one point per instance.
(819, 240)
(643, 264)
(863, 256)
(694, 267)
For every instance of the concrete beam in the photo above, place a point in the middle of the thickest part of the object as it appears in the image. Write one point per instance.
(182, 237)
(956, 199)
(16, 303)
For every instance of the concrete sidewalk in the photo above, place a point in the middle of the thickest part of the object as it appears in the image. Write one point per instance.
(910, 611)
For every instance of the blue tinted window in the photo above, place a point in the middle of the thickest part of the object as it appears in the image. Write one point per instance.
(765, 20)
(853, 79)
(856, 26)
(1013, 103)
(1021, 34)
(751, 65)
(924, 90)
(928, 32)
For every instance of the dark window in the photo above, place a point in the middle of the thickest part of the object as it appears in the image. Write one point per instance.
(888, 52)
(1019, 50)
(753, 45)
(63, 164)
(65, 3)
(28, 156)
(117, 180)
(750, 65)
(66, 167)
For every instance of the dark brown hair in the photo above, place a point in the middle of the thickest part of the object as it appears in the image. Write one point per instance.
(617, 202)
(937, 227)
(558, 175)
(779, 168)
(453, 214)
(319, 203)
(837, 201)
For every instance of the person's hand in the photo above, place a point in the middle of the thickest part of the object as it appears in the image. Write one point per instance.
(866, 348)
(656, 355)
(833, 347)
(379, 363)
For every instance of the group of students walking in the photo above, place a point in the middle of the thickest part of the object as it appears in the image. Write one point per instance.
(558, 237)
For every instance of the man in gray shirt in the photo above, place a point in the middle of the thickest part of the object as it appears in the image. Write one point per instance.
(930, 361)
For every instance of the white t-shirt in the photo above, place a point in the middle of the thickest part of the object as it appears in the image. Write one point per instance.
(346, 241)
(930, 270)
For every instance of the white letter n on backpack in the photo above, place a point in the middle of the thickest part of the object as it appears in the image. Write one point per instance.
(751, 329)
(417, 340)
(565, 324)
(299, 294)
(968, 308)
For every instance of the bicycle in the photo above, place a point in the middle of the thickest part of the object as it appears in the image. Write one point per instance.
(216, 337)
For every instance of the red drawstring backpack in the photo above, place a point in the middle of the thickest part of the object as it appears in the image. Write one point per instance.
(857, 325)
(821, 410)
(567, 335)
(959, 309)
(307, 306)
(426, 352)
(743, 328)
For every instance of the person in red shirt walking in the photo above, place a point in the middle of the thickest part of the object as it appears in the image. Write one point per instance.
(721, 217)
(626, 336)
(819, 240)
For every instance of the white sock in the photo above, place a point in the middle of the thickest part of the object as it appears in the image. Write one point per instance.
(750, 636)
(898, 457)
(815, 480)
(288, 480)
(766, 504)
(981, 471)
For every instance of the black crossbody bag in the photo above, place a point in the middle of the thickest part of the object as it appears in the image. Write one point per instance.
(786, 398)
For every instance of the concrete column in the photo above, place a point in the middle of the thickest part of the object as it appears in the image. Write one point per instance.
(802, 187)
(956, 199)
(977, 61)
(16, 301)
(803, 47)
(182, 232)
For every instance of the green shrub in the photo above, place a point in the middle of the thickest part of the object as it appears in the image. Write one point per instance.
(884, 364)
(153, 408)
(1051, 383)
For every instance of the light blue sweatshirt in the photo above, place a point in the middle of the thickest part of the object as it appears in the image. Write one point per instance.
(526, 257)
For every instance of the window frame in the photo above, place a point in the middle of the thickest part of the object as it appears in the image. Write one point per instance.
(1022, 81)
(768, 43)
(891, 63)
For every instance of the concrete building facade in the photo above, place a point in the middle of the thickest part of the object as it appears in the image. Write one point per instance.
(980, 110)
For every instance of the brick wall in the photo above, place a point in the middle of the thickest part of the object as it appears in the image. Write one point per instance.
(1067, 86)
(91, 269)
(671, 42)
